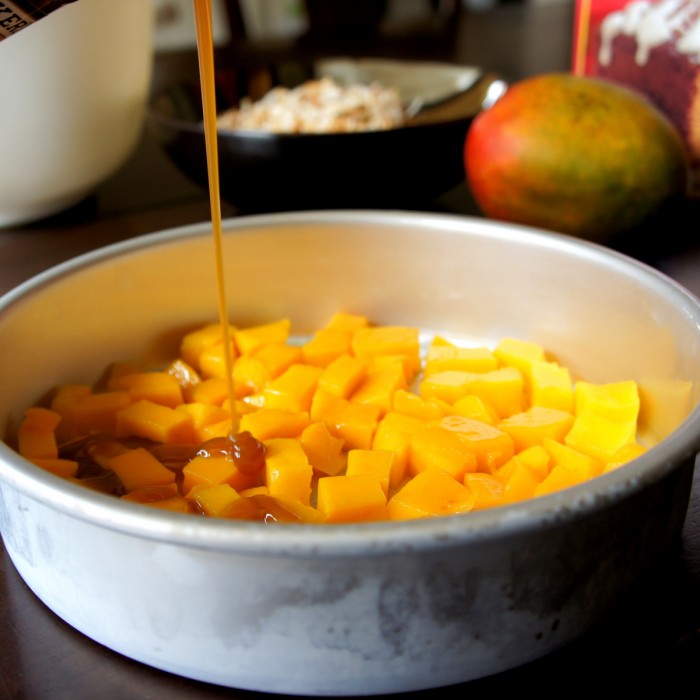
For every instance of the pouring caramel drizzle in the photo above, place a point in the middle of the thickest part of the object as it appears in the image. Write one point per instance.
(93, 451)
(205, 53)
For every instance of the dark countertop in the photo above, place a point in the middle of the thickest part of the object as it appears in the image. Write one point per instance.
(651, 641)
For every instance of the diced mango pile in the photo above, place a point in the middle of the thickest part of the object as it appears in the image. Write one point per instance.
(353, 425)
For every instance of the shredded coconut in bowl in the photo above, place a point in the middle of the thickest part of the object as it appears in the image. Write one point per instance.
(319, 107)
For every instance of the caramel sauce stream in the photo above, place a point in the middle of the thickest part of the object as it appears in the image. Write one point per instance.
(205, 54)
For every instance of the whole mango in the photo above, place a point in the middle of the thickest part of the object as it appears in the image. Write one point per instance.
(575, 155)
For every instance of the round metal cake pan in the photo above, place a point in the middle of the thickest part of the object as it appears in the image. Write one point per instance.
(351, 609)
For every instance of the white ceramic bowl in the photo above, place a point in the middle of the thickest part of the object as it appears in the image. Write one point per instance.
(351, 609)
(73, 106)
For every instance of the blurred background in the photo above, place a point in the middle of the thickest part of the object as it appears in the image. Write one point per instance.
(147, 193)
(153, 46)
(419, 29)
(284, 20)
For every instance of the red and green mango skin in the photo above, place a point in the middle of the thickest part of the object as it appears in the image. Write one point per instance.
(574, 155)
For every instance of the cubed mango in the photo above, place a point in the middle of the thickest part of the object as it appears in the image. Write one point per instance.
(251, 339)
(445, 357)
(294, 389)
(376, 462)
(393, 434)
(551, 386)
(288, 473)
(326, 345)
(530, 427)
(36, 435)
(491, 446)
(324, 451)
(138, 468)
(354, 423)
(378, 387)
(503, 389)
(435, 447)
(154, 422)
(342, 376)
(599, 436)
(159, 387)
(268, 423)
(278, 356)
(430, 493)
(388, 340)
(351, 498)
(486, 488)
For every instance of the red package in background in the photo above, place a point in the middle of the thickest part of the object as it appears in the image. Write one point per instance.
(652, 46)
(587, 20)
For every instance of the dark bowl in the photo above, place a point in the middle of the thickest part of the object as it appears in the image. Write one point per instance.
(405, 167)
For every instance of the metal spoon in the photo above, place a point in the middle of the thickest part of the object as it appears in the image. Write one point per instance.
(481, 94)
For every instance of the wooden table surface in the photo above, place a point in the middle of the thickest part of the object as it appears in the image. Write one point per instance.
(651, 641)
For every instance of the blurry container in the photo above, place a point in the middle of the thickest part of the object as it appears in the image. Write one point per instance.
(19, 14)
(75, 86)
(273, 19)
